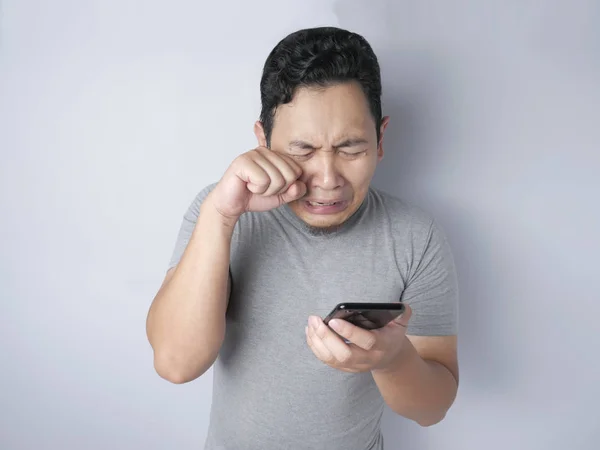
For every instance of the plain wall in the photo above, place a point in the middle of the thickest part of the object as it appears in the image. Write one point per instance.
(113, 115)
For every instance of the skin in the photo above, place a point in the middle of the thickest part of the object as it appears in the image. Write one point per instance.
(331, 135)
(324, 146)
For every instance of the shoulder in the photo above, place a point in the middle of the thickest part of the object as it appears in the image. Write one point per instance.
(414, 231)
(403, 216)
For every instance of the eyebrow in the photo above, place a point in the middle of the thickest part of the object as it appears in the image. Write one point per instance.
(350, 142)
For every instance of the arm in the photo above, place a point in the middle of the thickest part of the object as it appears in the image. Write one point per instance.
(422, 382)
(186, 321)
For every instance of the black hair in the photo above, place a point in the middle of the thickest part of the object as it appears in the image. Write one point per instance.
(322, 57)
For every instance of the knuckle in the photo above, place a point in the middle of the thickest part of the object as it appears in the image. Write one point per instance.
(243, 159)
(370, 342)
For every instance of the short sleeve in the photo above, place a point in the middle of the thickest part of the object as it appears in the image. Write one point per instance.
(432, 289)
(188, 224)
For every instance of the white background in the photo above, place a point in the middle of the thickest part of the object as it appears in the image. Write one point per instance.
(114, 114)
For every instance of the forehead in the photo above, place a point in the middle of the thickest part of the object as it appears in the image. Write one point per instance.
(340, 109)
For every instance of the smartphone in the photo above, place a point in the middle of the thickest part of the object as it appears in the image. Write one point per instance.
(369, 316)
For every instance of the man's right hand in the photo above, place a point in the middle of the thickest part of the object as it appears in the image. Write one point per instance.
(258, 180)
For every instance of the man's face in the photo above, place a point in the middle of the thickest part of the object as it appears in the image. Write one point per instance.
(331, 134)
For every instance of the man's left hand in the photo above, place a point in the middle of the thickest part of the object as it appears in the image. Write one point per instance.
(368, 350)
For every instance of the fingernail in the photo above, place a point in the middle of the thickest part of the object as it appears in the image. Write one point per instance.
(313, 322)
(335, 324)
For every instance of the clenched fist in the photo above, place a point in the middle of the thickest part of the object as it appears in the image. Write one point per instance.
(258, 180)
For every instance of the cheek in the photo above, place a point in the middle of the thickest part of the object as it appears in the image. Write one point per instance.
(306, 173)
(360, 177)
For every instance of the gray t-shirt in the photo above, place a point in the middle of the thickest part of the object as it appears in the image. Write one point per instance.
(269, 390)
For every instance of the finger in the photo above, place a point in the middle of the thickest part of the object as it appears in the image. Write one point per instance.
(404, 319)
(295, 191)
(318, 348)
(336, 346)
(256, 178)
(277, 181)
(281, 154)
(358, 336)
(289, 168)
(363, 322)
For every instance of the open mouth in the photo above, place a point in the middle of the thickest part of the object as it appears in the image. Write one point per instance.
(323, 207)
(323, 203)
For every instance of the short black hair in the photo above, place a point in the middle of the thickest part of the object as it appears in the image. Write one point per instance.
(321, 56)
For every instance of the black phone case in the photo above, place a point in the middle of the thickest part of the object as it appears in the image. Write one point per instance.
(369, 316)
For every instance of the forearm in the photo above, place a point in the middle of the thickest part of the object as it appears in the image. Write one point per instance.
(186, 322)
(415, 388)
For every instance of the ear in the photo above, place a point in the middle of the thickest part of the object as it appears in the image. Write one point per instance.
(259, 132)
(384, 124)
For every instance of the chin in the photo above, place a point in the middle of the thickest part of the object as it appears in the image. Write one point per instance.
(324, 223)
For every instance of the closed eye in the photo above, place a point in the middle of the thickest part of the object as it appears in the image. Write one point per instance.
(301, 157)
(352, 154)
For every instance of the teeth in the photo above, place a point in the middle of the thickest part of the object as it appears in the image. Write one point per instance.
(322, 204)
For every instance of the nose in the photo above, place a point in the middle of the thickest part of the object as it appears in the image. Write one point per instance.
(326, 173)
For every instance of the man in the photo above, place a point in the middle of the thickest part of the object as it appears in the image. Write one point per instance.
(293, 228)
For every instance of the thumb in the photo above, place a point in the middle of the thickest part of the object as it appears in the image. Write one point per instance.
(294, 192)
(403, 319)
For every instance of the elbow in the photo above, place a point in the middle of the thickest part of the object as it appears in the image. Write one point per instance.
(430, 420)
(423, 418)
(435, 414)
(180, 372)
(175, 376)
